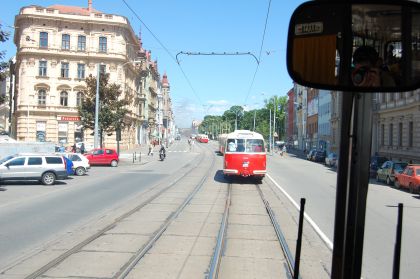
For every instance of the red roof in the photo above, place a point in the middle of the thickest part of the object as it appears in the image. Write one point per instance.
(73, 10)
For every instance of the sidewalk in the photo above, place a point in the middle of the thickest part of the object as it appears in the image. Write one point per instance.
(136, 155)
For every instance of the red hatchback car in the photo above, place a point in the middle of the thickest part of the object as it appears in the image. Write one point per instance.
(103, 156)
(409, 178)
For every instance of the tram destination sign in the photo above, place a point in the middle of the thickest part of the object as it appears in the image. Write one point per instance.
(309, 28)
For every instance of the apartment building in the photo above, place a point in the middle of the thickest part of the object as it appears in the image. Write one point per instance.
(57, 48)
(396, 126)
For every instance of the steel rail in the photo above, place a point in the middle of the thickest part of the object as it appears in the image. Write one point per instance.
(129, 266)
(282, 240)
(42, 270)
(217, 255)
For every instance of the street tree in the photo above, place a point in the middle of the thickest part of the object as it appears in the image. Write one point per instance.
(112, 106)
(4, 36)
(234, 114)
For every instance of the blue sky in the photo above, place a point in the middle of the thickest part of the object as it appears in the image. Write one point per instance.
(213, 83)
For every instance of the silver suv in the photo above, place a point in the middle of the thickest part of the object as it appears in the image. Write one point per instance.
(45, 168)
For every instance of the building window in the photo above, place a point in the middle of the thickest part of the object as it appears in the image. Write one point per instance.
(62, 132)
(79, 99)
(400, 131)
(65, 42)
(81, 71)
(64, 97)
(382, 134)
(102, 44)
(410, 133)
(81, 43)
(43, 39)
(391, 128)
(64, 70)
(42, 68)
(42, 97)
(40, 131)
(102, 69)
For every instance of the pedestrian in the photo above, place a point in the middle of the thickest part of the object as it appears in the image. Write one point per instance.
(82, 148)
(73, 148)
(150, 149)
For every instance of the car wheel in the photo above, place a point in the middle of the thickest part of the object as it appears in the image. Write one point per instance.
(80, 171)
(114, 163)
(411, 188)
(388, 180)
(48, 178)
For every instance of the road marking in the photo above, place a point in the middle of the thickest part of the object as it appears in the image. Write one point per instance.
(307, 217)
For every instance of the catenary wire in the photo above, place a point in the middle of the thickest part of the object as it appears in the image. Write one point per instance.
(259, 55)
(165, 48)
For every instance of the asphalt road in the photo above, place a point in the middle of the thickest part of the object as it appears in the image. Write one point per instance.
(317, 183)
(32, 214)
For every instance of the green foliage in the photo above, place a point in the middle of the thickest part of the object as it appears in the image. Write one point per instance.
(226, 122)
(4, 36)
(112, 109)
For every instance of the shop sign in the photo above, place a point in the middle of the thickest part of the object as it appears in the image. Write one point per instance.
(69, 118)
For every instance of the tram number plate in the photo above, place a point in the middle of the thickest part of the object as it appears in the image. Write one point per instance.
(245, 164)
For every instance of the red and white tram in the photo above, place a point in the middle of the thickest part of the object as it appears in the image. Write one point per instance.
(222, 143)
(244, 154)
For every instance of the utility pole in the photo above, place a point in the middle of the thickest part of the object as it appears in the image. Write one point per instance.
(96, 136)
(269, 140)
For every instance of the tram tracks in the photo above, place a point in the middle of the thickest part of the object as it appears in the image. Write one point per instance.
(137, 256)
(220, 249)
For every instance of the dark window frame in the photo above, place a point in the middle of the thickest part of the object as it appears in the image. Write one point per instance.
(103, 44)
(42, 97)
(65, 42)
(64, 98)
(43, 39)
(65, 68)
(42, 69)
(81, 43)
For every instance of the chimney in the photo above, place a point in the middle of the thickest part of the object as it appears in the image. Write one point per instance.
(90, 5)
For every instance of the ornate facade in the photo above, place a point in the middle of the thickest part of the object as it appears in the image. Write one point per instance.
(57, 48)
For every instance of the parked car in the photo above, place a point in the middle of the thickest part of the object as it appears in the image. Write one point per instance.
(331, 160)
(103, 156)
(375, 163)
(45, 168)
(409, 178)
(319, 156)
(310, 154)
(388, 170)
(80, 163)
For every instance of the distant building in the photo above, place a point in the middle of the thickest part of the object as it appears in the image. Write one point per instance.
(324, 120)
(312, 121)
(290, 118)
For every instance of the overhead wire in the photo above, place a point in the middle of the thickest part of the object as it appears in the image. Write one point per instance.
(166, 50)
(259, 55)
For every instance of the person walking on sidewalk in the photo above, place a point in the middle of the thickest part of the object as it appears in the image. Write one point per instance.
(150, 150)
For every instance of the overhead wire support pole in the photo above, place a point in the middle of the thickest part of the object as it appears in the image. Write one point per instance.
(217, 53)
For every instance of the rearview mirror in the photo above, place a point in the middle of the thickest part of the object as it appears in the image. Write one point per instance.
(369, 46)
